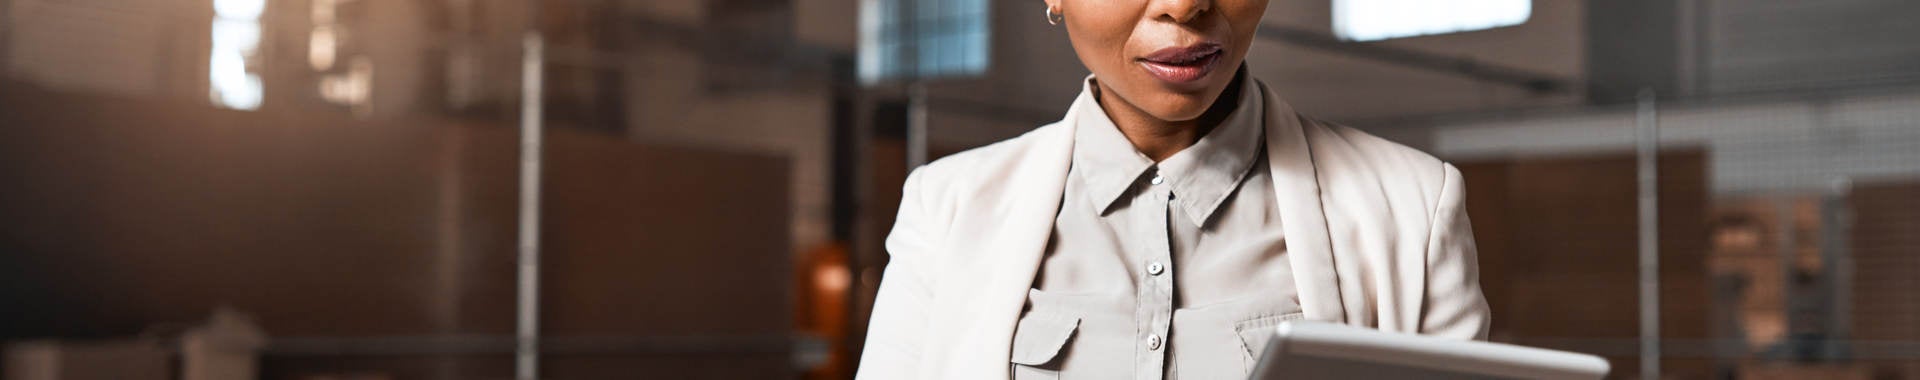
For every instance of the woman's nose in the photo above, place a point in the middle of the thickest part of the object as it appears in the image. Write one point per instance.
(1179, 11)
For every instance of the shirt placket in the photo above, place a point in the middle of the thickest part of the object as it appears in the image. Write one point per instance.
(1154, 310)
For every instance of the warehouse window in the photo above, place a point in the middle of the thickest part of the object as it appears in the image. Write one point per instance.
(905, 39)
(1372, 20)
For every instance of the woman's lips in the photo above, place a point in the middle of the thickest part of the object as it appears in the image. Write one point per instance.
(1181, 65)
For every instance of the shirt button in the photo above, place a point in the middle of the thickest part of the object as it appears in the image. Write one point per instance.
(1155, 269)
(1157, 180)
(1153, 342)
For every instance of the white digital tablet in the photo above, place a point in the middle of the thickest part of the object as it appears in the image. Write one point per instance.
(1319, 350)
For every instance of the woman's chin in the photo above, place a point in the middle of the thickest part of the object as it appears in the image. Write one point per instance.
(1179, 108)
(1170, 105)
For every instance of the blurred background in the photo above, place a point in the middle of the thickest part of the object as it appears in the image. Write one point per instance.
(342, 189)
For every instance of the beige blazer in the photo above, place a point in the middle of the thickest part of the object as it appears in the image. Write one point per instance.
(1377, 232)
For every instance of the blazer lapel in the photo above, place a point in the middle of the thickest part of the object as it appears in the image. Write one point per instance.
(1025, 218)
(1296, 188)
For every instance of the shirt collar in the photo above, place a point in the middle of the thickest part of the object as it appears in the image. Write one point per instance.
(1201, 176)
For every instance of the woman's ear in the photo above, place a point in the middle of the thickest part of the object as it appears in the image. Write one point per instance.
(1055, 14)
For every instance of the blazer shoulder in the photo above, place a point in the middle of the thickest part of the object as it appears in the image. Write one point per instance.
(1355, 153)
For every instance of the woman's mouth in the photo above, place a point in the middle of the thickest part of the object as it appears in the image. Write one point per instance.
(1179, 65)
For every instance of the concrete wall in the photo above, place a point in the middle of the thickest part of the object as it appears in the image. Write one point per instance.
(1344, 88)
(1750, 46)
(1754, 145)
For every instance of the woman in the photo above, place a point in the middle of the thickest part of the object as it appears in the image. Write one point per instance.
(1177, 213)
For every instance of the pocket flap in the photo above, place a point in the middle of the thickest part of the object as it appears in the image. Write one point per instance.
(1040, 336)
(1254, 333)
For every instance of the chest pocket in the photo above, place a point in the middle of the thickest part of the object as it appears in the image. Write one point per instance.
(1038, 342)
(1254, 334)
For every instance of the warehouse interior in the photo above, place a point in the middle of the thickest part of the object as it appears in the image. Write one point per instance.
(345, 189)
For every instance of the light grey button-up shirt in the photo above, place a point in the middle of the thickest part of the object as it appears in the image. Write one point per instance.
(1160, 270)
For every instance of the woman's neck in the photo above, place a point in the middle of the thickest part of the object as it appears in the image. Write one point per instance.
(1159, 139)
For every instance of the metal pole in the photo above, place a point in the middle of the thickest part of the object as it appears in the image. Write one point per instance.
(1836, 251)
(1647, 141)
(916, 125)
(916, 83)
(526, 338)
(6, 34)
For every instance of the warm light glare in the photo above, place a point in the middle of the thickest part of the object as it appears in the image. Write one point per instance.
(234, 43)
(833, 279)
(239, 9)
(321, 48)
(1371, 20)
(353, 88)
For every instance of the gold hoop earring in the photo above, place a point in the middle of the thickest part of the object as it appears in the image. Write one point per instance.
(1055, 18)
